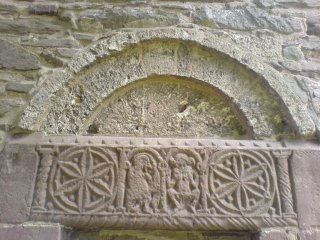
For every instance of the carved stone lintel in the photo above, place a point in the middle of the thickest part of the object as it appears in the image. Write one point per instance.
(162, 183)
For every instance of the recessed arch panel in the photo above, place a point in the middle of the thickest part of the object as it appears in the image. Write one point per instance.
(112, 63)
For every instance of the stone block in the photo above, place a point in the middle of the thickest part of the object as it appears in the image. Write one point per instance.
(28, 25)
(49, 42)
(305, 174)
(32, 231)
(44, 9)
(274, 234)
(293, 53)
(134, 183)
(126, 17)
(309, 234)
(18, 165)
(246, 19)
(14, 57)
(23, 87)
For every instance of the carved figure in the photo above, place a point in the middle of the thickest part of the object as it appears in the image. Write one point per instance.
(142, 185)
(183, 190)
(223, 187)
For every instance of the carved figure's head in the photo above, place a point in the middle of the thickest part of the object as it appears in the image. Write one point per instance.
(141, 161)
(183, 159)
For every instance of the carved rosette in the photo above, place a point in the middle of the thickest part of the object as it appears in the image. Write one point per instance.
(168, 184)
(82, 180)
(241, 183)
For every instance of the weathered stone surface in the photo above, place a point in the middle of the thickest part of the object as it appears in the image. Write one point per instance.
(161, 183)
(3, 136)
(20, 86)
(288, 3)
(66, 52)
(309, 69)
(42, 8)
(310, 43)
(246, 19)
(10, 119)
(61, 42)
(168, 235)
(309, 234)
(28, 25)
(7, 7)
(3, 86)
(264, 61)
(263, 44)
(161, 58)
(75, 104)
(32, 231)
(51, 58)
(14, 57)
(311, 3)
(18, 166)
(275, 234)
(293, 53)
(189, 110)
(305, 174)
(128, 17)
(293, 106)
(314, 25)
(10, 76)
(6, 104)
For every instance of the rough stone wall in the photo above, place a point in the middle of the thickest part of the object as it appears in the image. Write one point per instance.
(38, 37)
(39, 40)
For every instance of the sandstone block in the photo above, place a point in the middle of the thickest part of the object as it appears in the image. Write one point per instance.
(28, 25)
(17, 175)
(61, 42)
(32, 231)
(274, 234)
(20, 86)
(293, 53)
(309, 234)
(44, 9)
(14, 57)
(314, 25)
(246, 19)
(89, 181)
(128, 17)
(305, 173)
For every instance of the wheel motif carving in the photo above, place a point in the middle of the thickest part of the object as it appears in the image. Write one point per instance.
(83, 180)
(241, 183)
(167, 184)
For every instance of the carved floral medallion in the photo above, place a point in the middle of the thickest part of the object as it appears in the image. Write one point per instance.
(163, 183)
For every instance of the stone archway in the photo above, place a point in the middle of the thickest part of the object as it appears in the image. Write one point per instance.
(108, 181)
(250, 84)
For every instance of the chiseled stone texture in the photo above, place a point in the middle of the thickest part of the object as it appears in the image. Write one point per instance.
(168, 107)
(32, 231)
(305, 174)
(18, 166)
(282, 34)
(14, 57)
(309, 234)
(275, 234)
(256, 93)
(160, 183)
(67, 59)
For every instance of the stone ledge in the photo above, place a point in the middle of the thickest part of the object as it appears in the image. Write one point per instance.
(116, 182)
(32, 231)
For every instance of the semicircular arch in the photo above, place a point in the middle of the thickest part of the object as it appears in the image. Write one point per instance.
(251, 85)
